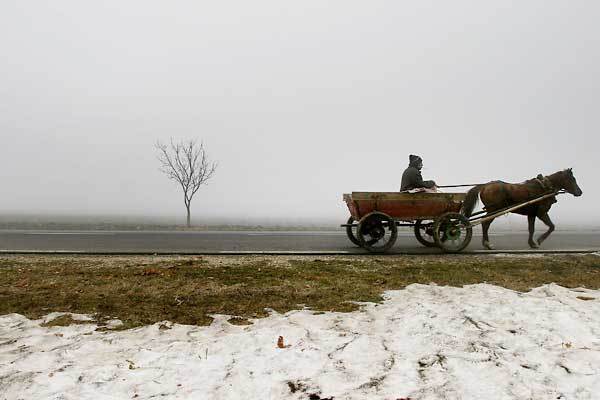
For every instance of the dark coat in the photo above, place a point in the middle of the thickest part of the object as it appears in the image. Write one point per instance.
(412, 179)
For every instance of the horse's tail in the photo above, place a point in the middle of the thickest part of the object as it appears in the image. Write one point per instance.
(471, 201)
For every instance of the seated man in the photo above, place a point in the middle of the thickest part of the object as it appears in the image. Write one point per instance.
(412, 179)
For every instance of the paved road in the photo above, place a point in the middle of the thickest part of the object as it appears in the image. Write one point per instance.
(207, 242)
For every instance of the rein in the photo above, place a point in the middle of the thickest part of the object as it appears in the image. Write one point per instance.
(465, 185)
(542, 180)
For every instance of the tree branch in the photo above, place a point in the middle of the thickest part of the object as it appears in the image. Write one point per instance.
(187, 164)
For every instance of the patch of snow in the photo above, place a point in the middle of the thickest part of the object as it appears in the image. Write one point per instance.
(519, 255)
(422, 342)
(113, 324)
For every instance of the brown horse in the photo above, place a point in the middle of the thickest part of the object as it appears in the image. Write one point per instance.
(498, 195)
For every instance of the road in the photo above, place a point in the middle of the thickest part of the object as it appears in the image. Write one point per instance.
(215, 242)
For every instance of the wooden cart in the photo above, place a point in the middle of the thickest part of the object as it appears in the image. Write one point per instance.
(435, 217)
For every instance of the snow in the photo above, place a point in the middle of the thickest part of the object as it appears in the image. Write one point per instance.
(422, 342)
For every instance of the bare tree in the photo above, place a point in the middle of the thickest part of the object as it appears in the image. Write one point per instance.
(186, 163)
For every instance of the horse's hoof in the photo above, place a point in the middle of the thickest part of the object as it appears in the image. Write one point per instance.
(534, 245)
(488, 246)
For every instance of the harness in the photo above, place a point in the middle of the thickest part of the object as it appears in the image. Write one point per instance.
(530, 185)
(545, 183)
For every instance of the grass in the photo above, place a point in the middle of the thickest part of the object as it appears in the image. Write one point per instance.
(141, 290)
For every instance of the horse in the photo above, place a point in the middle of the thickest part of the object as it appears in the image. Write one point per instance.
(497, 195)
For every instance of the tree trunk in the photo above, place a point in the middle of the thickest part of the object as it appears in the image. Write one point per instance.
(188, 217)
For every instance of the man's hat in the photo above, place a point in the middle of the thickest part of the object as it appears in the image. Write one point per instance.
(414, 159)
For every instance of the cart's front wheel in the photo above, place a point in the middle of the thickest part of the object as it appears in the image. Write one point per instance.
(377, 232)
(452, 232)
(424, 233)
(351, 231)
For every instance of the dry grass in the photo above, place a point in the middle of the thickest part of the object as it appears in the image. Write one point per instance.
(144, 290)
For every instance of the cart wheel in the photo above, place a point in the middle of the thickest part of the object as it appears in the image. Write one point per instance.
(377, 232)
(452, 232)
(424, 233)
(351, 231)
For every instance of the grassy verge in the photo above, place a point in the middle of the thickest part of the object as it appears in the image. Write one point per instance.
(144, 290)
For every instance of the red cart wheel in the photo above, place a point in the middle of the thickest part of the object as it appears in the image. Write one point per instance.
(351, 231)
(377, 232)
(424, 233)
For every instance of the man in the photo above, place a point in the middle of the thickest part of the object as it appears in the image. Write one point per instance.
(412, 179)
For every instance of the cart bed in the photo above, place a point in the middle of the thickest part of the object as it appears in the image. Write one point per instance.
(403, 206)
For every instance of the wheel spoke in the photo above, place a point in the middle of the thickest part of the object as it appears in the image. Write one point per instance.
(372, 242)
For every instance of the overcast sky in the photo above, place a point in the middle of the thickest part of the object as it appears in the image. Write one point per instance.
(298, 101)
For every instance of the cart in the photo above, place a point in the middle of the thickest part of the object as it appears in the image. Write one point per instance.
(435, 217)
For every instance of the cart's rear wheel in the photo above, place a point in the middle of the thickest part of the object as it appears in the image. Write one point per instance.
(452, 232)
(377, 232)
(424, 233)
(351, 231)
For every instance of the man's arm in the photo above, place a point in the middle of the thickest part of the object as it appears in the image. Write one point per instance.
(421, 183)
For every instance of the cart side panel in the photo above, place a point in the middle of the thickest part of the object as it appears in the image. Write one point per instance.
(352, 207)
(408, 210)
(407, 206)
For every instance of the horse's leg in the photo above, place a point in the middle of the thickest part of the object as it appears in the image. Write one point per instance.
(531, 220)
(485, 226)
(545, 218)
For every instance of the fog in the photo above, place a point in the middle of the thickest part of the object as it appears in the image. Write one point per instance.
(298, 102)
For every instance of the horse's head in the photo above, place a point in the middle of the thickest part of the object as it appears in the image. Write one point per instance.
(568, 182)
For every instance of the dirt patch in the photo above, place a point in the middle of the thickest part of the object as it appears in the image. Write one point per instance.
(239, 321)
(141, 290)
(65, 320)
(586, 298)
